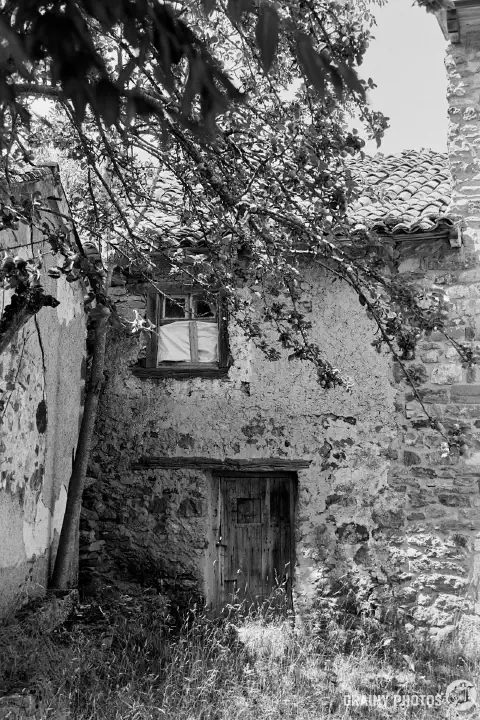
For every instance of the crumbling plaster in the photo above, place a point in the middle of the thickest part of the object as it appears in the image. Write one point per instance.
(381, 507)
(157, 524)
(40, 397)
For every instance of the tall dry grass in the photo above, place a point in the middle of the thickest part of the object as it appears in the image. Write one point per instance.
(127, 659)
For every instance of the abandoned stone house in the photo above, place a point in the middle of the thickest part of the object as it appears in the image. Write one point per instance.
(218, 472)
(41, 384)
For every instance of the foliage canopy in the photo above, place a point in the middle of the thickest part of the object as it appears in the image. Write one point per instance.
(229, 118)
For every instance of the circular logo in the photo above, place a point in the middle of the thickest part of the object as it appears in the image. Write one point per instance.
(462, 695)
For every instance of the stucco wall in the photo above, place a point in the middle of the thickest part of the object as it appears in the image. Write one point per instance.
(156, 525)
(41, 384)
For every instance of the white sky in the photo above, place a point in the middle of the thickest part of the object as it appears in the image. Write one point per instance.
(406, 61)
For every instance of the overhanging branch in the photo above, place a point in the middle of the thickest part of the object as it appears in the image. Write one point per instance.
(35, 89)
(21, 309)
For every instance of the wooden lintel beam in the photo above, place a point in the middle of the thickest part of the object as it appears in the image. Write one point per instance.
(204, 463)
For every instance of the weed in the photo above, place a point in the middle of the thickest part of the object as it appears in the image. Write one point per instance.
(128, 660)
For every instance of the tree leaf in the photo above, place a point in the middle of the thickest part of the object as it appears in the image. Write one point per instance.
(235, 9)
(209, 6)
(313, 65)
(337, 81)
(142, 105)
(12, 46)
(107, 101)
(351, 79)
(193, 85)
(266, 34)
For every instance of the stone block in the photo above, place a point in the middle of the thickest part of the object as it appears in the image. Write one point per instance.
(95, 546)
(472, 374)
(446, 374)
(456, 333)
(430, 356)
(430, 345)
(411, 458)
(415, 412)
(465, 394)
(443, 583)
(453, 500)
(470, 113)
(116, 292)
(430, 395)
(468, 635)
(426, 598)
(451, 353)
(415, 517)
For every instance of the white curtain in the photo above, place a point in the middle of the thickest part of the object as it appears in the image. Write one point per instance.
(207, 339)
(174, 342)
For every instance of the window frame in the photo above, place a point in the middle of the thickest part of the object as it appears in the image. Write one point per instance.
(185, 370)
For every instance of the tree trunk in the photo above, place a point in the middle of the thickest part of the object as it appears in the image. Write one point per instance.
(64, 562)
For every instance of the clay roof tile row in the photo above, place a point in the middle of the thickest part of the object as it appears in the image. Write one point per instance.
(407, 192)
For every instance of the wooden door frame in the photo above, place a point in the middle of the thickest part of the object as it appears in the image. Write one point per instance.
(216, 475)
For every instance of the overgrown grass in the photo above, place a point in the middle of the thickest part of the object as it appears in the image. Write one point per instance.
(128, 660)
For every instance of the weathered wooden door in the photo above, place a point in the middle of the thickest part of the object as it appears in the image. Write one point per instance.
(255, 520)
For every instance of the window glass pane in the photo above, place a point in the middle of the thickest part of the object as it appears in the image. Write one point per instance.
(202, 308)
(207, 341)
(174, 342)
(174, 307)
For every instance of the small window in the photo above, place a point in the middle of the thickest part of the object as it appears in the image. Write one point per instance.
(188, 330)
(191, 337)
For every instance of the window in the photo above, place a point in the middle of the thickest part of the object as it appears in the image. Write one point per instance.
(191, 338)
(187, 330)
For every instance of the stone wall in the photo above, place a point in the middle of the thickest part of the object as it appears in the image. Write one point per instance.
(41, 384)
(384, 505)
(442, 491)
(434, 549)
(156, 525)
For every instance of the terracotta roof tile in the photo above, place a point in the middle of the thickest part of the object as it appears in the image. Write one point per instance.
(404, 193)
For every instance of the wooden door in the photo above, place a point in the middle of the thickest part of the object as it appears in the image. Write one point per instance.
(254, 538)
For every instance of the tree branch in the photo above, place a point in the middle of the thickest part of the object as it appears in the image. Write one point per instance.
(21, 309)
(35, 89)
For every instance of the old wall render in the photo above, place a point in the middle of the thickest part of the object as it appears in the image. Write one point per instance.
(41, 384)
(382, 506)
(156, 525)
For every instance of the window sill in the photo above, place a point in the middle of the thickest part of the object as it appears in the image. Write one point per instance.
(181, 373)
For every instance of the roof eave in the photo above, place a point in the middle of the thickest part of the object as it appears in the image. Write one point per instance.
(452, 236)
(461, 19)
